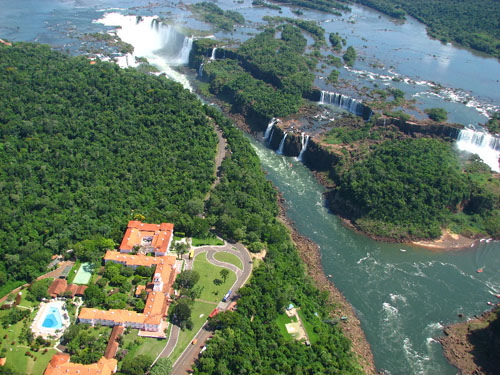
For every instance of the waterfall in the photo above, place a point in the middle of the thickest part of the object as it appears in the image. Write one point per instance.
(304, 140)
(213, 53)
(162, 45)
(342, 101)
(282, 145)
(200, 70)
(481, 143)
(271, 136)
(269, 128)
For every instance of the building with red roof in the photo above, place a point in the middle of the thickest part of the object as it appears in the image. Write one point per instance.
(149, 238)
(60, 288)
(60, 365)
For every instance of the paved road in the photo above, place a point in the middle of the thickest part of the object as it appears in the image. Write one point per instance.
(185, 361)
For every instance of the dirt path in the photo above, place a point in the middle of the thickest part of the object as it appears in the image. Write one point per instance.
(219, 157)
(55, 274)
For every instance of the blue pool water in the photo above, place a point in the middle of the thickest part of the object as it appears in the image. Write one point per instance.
(52, 319)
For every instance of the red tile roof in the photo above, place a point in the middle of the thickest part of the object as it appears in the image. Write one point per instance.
(60, 364)
(57, 288)
(136, 231)
(112, 347)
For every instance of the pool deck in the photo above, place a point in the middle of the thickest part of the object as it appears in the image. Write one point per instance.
(50, 333)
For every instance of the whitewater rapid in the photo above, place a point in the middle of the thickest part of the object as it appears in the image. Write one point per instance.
(162, 45)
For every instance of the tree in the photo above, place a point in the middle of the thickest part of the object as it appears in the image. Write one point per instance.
(92, 250)
(350, 56)
(224, 273)
(137, 365)
(437, 114)
(117, 301)
(333, 77)
(94, 296)
(336, 41)
(194, 206)
(181, 248)
(162, 367)
(187, 279)
(139, 305)
(181, 313)
(38, 289)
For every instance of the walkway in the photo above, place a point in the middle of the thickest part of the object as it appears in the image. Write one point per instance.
(191, 352)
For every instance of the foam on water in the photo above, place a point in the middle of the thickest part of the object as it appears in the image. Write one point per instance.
(162, 45)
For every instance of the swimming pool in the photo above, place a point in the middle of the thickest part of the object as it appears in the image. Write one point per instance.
(52, 319)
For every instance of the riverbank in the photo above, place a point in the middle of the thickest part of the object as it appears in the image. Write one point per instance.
(310, 255)
(472, 346)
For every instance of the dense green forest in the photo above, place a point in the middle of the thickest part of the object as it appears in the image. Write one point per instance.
(328, 6)
(84, 148)
(248, 341)
(221, 19)
(413, 188)
(472, 23)
(265, 77)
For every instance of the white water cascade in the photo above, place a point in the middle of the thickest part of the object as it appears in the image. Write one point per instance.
(482, 143)
(269, 129)
(282, 145)
(162, 45)
(342, 101)
(304, 140)
(200, 70)
(212, 57)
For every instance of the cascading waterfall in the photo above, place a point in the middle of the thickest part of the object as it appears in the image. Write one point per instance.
(269, 128)
(304, 140)
(282, 145)
(342, 101)
(271, 135)
(162, 45)
(481, 143)
(200, 70)
(212, 57)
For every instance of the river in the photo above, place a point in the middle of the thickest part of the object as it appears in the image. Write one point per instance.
(402, 294)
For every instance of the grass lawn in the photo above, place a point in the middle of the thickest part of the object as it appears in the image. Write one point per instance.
(229, 258)
(73, 272)
(283, 320)
(209, 241)
(313, 336)
(137, 345)
(24, 302)
(186, 336)
(16, 357)
(208, 273)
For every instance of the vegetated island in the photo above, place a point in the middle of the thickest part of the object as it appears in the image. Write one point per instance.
(472, 346)
(469, 23)
(86, 147)
(392, 178)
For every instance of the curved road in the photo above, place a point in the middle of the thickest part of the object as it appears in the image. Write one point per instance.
(184, 362)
